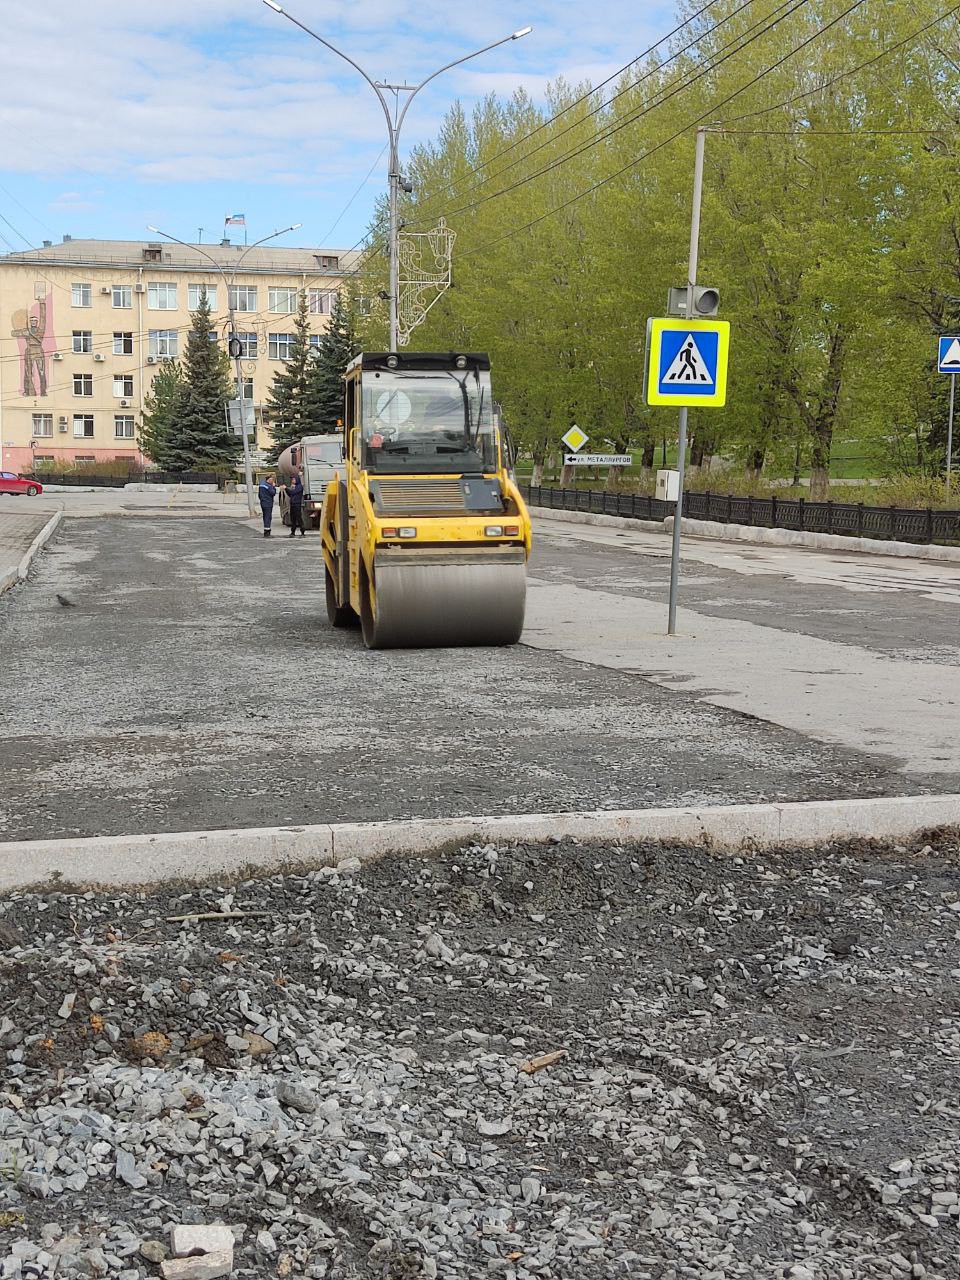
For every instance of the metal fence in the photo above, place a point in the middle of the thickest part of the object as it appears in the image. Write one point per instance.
(99, 481)
(849, 519)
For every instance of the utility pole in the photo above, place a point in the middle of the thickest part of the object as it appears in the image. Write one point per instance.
(953, 385)
(234, 345)
(682, 440)
(394, 121)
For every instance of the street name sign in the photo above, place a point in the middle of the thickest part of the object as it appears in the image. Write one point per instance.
(687, 362)
(948, 354)
(597, 460)
(575, 439)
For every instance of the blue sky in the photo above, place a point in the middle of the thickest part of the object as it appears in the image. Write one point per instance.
(113, 115)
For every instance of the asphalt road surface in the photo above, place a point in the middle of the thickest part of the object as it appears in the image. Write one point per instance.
(194, 683)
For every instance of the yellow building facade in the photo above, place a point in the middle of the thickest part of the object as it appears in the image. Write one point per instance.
(86, 324)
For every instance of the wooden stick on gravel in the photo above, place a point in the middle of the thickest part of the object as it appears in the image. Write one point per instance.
(216, 915)
(545, 1060)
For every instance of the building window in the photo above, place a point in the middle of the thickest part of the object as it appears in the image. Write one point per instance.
(314, 341)
(82, 341)
(153, 253)
(248, 388)
(243, 297)
(42, 458)
(162, 342)
(321, 301)
(123, 385)
(279, 345)
(84, 458)
(193, 296)
(43, 424)
(248, 345)
(327, 262)
(123, 344)
(364, 305)
(83, 384)
(123, 426)
(80, 295)
(83, 426)
(283, 302)
(161, 297)
(122, 296)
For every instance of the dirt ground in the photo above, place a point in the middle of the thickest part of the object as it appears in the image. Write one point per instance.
(756, 1066)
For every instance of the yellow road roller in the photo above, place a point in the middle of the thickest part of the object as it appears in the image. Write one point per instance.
(426, 537)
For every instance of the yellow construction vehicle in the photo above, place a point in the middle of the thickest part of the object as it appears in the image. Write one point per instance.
(426, 537)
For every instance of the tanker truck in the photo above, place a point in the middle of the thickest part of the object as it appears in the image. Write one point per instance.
(319, 459)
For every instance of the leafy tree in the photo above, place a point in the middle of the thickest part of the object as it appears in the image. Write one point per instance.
(201, 437)
(323, 392)
(286, 405)
(162, 408)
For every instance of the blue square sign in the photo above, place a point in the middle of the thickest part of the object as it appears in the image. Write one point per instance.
(687, 362)
(948, 354)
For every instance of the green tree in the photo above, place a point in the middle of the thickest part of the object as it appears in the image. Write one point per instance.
(323, 392)
(202, 437)
(286, 405)
(161, 414)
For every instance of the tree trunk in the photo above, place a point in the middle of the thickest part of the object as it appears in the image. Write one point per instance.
(819, 482)
(755, 463)
(566, 476)
(536, 478)
(647, 458)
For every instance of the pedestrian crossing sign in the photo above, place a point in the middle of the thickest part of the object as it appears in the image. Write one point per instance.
(687, 362)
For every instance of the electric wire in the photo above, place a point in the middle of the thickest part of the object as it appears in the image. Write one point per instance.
(797, 97)
(692, 124)
(784, 10)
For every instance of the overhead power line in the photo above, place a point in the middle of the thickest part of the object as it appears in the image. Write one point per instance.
(475, 169)
(884, 53)
(749, 37)
(691, 124)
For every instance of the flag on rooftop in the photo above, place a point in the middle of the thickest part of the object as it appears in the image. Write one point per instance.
(235, 220)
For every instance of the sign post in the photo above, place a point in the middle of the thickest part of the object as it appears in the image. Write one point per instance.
(948, 361)
(687, 365)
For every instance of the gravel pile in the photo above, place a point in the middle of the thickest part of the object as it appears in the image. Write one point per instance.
(577, 1061)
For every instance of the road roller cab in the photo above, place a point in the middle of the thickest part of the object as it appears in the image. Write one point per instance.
(426, 537)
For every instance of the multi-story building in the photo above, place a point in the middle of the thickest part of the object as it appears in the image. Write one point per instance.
(85, 325)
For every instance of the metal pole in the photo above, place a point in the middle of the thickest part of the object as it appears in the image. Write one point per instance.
(247, 465)
(953, 384)
(682, 435)
(394, 178)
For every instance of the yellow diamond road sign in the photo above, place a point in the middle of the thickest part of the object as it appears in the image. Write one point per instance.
(575, 439)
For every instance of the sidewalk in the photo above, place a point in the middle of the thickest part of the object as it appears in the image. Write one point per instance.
(17, 531)
(87, 504)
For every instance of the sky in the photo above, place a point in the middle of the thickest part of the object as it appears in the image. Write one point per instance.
(115, 115)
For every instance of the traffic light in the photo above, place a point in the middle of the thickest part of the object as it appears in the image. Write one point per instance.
(706, 302)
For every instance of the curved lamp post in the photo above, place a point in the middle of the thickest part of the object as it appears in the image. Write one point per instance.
(394, 121)
(234, 344)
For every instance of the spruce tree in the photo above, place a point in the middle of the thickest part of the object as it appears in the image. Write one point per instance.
(324, 391)
(202, 438)
(161, 413)
(285, 408)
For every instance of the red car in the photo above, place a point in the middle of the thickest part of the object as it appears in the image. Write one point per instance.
(10, 482)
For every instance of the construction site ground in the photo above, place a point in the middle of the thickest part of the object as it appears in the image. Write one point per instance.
(581, 1060)
(177, 672)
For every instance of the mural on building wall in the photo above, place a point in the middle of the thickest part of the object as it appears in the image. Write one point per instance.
(33, 327)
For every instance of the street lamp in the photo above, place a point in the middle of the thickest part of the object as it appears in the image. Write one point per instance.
(394, 125)
(234, 344)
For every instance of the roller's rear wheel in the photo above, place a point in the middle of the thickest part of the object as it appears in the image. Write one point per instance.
(338, 615)
(368, 618)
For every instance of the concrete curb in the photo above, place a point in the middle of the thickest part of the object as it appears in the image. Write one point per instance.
(815, 541)
(755, 534)
(199, 855)
(14, 576)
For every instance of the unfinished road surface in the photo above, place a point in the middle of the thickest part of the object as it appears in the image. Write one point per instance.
(191, 681)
